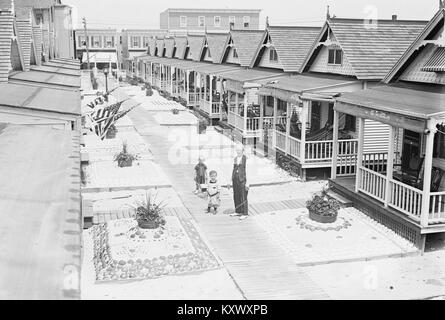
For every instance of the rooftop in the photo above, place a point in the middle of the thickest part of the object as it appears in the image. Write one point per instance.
(40, 236)
(371, 48)
(40, 98)
(246, 43)
(190, 10)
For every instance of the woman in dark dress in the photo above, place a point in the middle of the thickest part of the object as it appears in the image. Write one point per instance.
(240, 185)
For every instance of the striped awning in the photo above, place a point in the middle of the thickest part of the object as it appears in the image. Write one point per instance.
(437, 61)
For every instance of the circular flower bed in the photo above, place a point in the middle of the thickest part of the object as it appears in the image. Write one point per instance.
(305, 222)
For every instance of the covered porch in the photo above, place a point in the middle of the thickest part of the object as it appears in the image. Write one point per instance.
(406, 181)
(241, 103)
(298, 116)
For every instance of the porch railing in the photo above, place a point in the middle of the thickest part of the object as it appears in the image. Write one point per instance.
(405, 198)
(193, 98)
(372, 183)
(211, 109)
(280, 140)
(437, 207)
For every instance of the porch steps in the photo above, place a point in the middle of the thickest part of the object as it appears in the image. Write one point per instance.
(344, 202)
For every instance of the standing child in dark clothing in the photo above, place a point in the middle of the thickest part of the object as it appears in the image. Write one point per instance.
(213, 192)
(200, 175)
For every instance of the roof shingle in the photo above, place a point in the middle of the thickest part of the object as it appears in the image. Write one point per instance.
(246, 43)
(216, 42)
(292, 44)
(373, 50)
(181, 44)
(196, 44)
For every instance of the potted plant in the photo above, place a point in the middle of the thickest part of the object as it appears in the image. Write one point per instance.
(323, 208)
(124, 158)
(111, 133)
(175, 111)
(149, 213)
(149, 92)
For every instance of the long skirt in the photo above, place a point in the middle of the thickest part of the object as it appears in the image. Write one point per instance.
(240, 197)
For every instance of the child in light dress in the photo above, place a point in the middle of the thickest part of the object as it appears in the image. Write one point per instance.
(213, 192)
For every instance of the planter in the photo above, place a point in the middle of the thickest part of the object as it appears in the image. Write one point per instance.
(175, 111)
(149, 92)
(125, 163)
(322, 219)
(144, 224)
(111, 135)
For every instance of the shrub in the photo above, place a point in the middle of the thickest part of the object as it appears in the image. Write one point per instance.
(323, 205)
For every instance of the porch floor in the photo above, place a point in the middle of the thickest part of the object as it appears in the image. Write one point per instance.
(346, 187)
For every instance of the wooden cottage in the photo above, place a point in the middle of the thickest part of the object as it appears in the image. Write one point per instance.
(401, 183)
(347, 55)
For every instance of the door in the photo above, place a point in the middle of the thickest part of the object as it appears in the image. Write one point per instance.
(315, 116)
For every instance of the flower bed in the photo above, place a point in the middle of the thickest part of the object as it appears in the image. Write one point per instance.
(122, 251)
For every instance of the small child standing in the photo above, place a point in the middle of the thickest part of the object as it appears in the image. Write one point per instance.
(213, 192)
(200, 174)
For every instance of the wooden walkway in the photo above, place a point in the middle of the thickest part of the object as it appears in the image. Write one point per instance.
(258, 265)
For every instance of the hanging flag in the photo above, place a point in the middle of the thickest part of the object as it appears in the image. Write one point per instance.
(103, 118)
(100, 100)
(124, 113)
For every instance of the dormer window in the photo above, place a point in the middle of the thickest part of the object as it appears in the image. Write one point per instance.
(335, 56)
(235, 54)
(273, 56)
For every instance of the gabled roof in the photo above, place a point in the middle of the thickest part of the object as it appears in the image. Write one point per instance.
(160, 46)
(181, 44)
(292, 44)
(216, 44)
(6, 32)
(169, 44)
(433, 25)
(196, 45)
(246, 43)
(370, 49)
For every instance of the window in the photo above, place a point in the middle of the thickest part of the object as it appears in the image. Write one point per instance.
(201, 21)
(183, 21)
(120, 39)
(232, 22)
(335, 56)
(95, 42)
(235, 54)
(82, 41)
(136, 42)
(273, 55)
(217, 21)
(350, 123)
(109, 42)
(146, 42)
(246, 21)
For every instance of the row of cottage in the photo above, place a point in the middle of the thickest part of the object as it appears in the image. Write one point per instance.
(325, 98)
(40, 114)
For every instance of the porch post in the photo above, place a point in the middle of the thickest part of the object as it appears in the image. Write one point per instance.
(304, 116)
(428, 166)
(171, 80)
(245, 114)
(334, 146)
(361, 135)
(211, 93)
(390, 164)
(288, 116)
(236, 104)
(274, 123)
(221, 91)
(261, 124)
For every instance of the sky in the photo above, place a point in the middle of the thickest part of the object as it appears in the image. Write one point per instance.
(133, 14)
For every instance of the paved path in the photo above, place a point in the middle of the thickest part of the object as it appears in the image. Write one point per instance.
(260, 267)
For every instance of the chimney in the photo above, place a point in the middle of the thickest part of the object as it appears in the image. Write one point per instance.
(394, 17)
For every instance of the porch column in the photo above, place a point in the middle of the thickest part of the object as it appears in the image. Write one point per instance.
(288, 116)
(334, 146)
(304, 116)
(245, 114)
(171, 80)
(151, 74)
(236, 104)
(211, 93)
(390, 164)
(361, 135)
(261, 124)
(221, 91)
(274, 123)
(428, 165)
(187, 86)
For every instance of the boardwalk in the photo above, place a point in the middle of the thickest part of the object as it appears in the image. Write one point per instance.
(260, 267)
